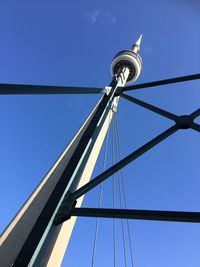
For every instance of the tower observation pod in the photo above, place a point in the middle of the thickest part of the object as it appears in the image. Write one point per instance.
(128, 59)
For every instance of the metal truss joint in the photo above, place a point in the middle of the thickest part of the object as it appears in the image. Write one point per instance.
(184, 121)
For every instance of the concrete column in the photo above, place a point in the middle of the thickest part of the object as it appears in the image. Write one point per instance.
(15, 235)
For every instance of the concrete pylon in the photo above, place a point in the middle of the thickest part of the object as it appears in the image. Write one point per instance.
(51, 247)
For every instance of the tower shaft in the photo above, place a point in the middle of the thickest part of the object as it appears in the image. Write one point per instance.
(32, 238)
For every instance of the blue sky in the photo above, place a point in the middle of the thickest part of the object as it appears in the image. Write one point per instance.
(72, 43)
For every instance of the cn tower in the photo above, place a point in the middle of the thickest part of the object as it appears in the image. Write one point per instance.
(39, 233)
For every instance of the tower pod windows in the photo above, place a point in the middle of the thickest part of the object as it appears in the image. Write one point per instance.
(130, 59)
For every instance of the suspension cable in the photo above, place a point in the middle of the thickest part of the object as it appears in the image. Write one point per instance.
(120, 193)
(116, 155)
(123, 189)
(100, 194)
(113, 199)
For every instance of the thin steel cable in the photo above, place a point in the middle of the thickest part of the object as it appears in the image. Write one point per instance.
(113, 200)
(100, 193)
(124, 193)
(120, 193)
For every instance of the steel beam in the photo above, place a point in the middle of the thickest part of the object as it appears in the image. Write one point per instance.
(157, 110)
(8, 89)
(155, 215)
(183, 122)
(19, 89)
(195, 114)
(195, 127)
(162, 82)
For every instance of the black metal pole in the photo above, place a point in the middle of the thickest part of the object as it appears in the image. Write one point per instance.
(19, 89)
(162, 82)
(155, 215)
(148, 106)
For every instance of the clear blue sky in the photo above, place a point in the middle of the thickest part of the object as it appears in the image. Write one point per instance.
(72, 43)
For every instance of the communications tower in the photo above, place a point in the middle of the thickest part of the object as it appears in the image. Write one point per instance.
(39, 234)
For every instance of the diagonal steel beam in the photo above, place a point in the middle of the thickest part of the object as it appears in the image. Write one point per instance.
(157, 110)
(195, 126)
(195, 114)
(18, 89)
(155, 215)
(162, 82)
(122, 163)
(180, 120)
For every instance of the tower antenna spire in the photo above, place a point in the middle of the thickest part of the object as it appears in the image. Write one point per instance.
(136, 47)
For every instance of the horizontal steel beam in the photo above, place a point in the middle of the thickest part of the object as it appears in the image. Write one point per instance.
(155, 215)
(162, 82)
(8, 89)
(19, 89)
